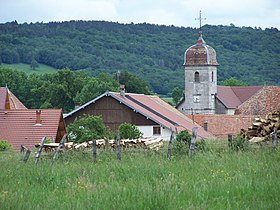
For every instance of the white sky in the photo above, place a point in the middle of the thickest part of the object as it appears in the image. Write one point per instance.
(259, 13)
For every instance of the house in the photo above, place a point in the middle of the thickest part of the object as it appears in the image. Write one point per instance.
(22, 126)
(149, 113)
(28, 126)
(9, 101)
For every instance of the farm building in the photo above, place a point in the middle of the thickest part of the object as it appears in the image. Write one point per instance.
(149, 113)
(28, 126)
(22, 126)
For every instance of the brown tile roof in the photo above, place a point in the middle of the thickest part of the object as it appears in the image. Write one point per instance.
(234, 96)
(221, 125)
(264, 101)
(8, 100)
(155, 109)
(200, 54)
(19, 126)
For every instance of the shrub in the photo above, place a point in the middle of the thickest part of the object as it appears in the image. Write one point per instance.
(239, 144)
(4, 145)
(129, 131)
(87, 128)
(183, 142)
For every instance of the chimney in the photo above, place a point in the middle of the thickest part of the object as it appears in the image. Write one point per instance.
(77, 105)
(38, 117)
(122, 90)
(205, 125)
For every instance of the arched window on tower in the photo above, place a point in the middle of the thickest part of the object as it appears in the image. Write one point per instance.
(196, 77)
(212, 78)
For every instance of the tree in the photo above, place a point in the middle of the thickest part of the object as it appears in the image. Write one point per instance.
(58, 96)
(95, 87)
(17, 82)
(233, 82)
(134, 84)
(129, 131)
(34, 64)
(177, 94)
(87, 128)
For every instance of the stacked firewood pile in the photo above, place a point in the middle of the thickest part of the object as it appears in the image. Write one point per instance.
(262, 128)
(148, 143)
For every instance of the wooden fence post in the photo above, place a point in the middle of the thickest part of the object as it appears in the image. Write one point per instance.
(38, 153)
(24, 155)
(60, 147)
(27, 154)
(230, 141)
(94, 150)
(275, 139)
(192, 145)
(118, 145)
(21, 152)
(169, 146)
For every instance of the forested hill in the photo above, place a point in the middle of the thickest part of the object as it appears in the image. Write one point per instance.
(154, 53)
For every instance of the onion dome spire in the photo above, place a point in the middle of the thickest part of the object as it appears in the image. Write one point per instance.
(200, 54)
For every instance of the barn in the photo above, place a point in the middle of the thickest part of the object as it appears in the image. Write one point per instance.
(153, 116)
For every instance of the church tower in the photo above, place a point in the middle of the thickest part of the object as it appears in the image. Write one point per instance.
(200, 79)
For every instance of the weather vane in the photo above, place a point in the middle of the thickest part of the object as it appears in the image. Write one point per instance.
(200, 20)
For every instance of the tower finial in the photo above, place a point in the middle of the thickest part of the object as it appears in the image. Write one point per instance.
(200, 21)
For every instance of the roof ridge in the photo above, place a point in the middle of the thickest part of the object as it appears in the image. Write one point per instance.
(10, 95)
(262, 88)
(231, 87)
(127, 93)
(239, 97)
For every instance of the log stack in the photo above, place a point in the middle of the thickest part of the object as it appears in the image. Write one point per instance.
(148, 143)
(262, 128)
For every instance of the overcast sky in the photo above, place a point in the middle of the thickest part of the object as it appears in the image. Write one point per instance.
(259, 13)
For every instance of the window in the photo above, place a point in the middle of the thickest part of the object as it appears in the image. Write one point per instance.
(156, 130)
(212, 97)
(196, 98)
(212, 76)
(196, 77)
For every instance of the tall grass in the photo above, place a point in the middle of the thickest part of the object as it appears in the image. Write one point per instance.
(215, 179)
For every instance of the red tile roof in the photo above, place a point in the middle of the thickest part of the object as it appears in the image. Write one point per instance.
(221, 125)
(234, 96)
(3, 97)
(155, 109)
(19, 126)
(8, 100)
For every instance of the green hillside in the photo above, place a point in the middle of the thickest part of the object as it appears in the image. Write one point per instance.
(154, 53)
(26, 68)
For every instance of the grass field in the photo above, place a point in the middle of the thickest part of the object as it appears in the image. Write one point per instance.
(215, 179)
(26, 68)
(168, 100)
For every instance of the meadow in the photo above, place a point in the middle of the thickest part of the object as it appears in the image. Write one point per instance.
(26, 68)
(215, 179)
